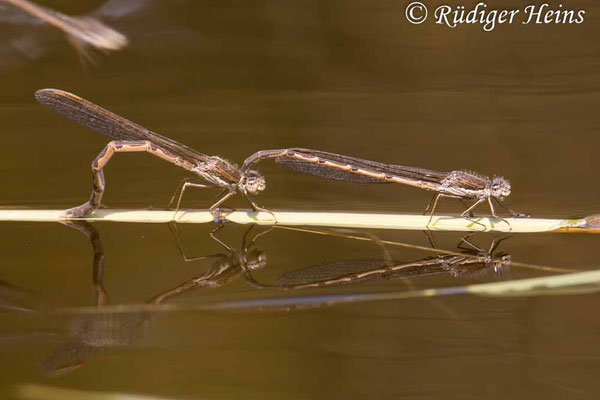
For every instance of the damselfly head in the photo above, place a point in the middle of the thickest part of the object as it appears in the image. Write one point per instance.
(253, 182)
(501, 263)
(496, 264)
(500, 188)
(255, 259)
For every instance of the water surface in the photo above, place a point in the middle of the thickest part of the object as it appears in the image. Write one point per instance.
(231, 78)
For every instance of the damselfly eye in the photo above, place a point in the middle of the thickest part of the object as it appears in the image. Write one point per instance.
(254, 182)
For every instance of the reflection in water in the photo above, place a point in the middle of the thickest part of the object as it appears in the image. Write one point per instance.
(473, 261)
(226, 267)
(13, 298)
(87, 34)
(93, 333)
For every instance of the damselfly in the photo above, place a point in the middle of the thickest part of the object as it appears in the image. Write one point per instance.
(130, 137)
(87, 34)
(458, 184)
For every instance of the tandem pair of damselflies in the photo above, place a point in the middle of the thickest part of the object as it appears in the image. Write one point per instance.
(217, 172)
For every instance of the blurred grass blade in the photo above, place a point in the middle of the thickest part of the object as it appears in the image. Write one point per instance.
(34, 391)
(565, 284)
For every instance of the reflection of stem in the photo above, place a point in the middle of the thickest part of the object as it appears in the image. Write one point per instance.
(586, 282)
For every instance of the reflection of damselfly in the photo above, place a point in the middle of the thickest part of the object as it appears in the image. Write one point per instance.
(131, 137)
(85, 33)
(462, 185)
(227, 265)
(473, 261)
(90, 334)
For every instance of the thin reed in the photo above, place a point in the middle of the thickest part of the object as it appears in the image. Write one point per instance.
(589, 224)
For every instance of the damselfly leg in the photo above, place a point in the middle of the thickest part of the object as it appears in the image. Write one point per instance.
(471, 246)
(115, 146)
(177, 236)
(467, 214)
(194, 182)
(513, 213)
(257, 208)
(493, 210)
(183, 185)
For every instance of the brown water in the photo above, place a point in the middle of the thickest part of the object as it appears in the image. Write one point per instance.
(231, 78)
